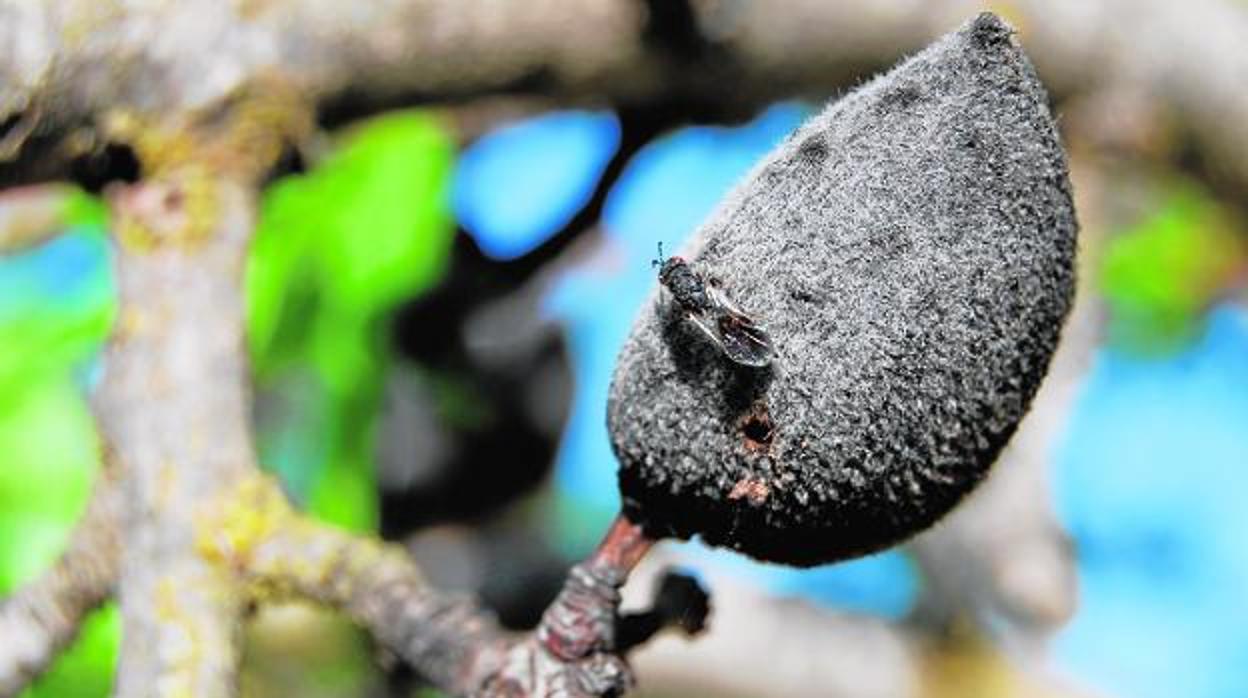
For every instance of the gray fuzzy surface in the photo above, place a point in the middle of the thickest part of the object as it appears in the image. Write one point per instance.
(910, 251)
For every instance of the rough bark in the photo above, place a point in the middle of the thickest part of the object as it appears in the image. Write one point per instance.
(448, 639)
(577, 649)
(76, 74)
(204, 533)
(173, 408)
(76, 62)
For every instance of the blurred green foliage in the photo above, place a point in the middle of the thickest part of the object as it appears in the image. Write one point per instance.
(1161, 275)
(49, 327)
(85, 670)
(335, 250)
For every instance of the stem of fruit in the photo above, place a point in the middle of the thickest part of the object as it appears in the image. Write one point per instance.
(582, 619)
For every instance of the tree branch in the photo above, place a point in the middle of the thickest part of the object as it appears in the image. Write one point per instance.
(447, 638)
(41, 618)
(767, 646)
(174, 409)
(150, 58)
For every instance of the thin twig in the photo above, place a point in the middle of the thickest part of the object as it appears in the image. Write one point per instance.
(43, 616)
(448, 639)
(578, 650)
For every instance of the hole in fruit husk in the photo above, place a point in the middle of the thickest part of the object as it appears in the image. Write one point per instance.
(757, 427)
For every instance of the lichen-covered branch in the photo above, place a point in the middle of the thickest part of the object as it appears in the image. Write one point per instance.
(69, 63)
(577, 650)
(202, 529)
(173, 407)
(43, 616)
(447, 638)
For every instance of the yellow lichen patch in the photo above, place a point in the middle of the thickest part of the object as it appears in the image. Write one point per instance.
(229, 528)
(159, 143)
(183, 156)
(240, 135)
(965, 664)
(249, 9)
(301, 556)
(87, 19)
(132, 235)
(262, 117)
(178, 207)
(316, 559)
(180, 647)
(131, 323)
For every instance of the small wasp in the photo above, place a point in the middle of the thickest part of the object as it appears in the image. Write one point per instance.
(730, 328)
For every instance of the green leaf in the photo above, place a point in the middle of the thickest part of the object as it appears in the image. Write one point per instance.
(368, 227)
(1161, 275)
(85, 210)
(336, 249)
(281, 281)
(391, 230)
(49, 457)
(345, 493)
(56, 306)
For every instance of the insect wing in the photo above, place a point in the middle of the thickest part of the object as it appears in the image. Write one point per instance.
(742, 339)
(708, 328)
(724, 303)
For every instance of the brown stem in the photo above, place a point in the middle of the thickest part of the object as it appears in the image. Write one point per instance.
(622, 548)
(575, 651)
(581, 621)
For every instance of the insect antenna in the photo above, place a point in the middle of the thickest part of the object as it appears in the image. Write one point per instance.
(659, 261)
